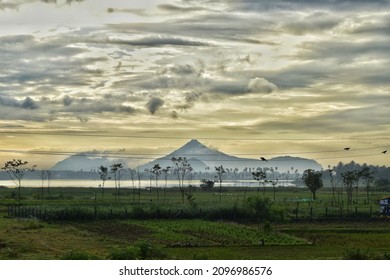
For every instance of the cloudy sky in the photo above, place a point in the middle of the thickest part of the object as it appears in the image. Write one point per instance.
(304, 78)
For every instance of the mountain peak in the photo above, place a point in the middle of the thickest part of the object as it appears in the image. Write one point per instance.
(193, 143)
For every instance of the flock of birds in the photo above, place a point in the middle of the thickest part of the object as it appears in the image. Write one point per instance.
(348, 148)
(345, 149)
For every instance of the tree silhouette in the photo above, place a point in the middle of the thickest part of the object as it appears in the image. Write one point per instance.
(220, 173)
(156, 170)
(312, 180)
(180, 168)
(16, 170)
(260, 176)
(367, 175)
(166, 172)
(103, 172)
(132, 176)
(349, 178)
(116, 170)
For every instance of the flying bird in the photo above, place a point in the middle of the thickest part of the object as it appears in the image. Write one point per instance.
(263, 159)
(384, 152)
(347, 149)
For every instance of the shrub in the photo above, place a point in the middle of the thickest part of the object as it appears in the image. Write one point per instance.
(78, 255)
(127, 253)
(356, 254)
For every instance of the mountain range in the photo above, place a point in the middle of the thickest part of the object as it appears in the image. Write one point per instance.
(198, 155)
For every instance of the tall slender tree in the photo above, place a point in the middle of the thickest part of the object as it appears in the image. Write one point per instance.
(116, 170)
(103, 172)
(220, 174)
(367, 175)
(181, 167)
(156, 170)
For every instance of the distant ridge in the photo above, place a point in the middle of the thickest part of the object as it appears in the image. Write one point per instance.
(84, 162)
(201, 157)
(198, 155)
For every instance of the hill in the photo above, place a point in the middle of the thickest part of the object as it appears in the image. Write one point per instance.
(85, 162)
(201, 157)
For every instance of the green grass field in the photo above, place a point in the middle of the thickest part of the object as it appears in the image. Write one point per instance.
(202, 226)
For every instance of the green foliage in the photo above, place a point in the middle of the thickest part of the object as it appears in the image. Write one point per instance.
(142, 251)
(312, 180)
(78, 255)
(206, 185)
(125, 253)
(260, 207)
(357, 254)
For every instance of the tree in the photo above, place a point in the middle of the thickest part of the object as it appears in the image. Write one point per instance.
(349, 178)
(220, 173)
(156, 170)
(333, 182)
(166, 172)
(116, 170)
(367, 175)
(16, 170)
(312, 180)
(132, 176)
(260, 176)
(103, 171)
(260, 207)
(139, 177)
(180, 168)
(206, 185)
(43, 177)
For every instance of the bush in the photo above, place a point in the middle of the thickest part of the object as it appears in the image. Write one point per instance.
(206, 185)
(356, 254)
(127, 253)
(143, 251)
(78, 255)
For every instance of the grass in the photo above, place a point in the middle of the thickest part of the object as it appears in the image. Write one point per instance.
(177, 235)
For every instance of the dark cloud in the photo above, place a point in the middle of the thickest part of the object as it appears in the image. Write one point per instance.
(27, 103)
(154, 104)
(174, 115)
(155, 41)
(266, 5)
(179, 9)
(23, 2)
(67, 100)
(191, 97)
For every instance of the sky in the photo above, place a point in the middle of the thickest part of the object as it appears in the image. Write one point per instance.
(141, 78)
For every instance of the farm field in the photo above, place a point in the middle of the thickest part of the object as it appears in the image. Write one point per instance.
(207, 225)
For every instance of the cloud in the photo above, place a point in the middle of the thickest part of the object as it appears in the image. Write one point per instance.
(28, 103)
(179, 9)
(154, 104)
(19, 3)
(67, 100)
(174, 115)
(261, 85)
(154, 41)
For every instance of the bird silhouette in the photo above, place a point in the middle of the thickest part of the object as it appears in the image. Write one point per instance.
(384, 152)
(263, 159)
(347, 149)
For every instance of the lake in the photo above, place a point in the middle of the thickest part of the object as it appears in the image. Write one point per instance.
(144, 183)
